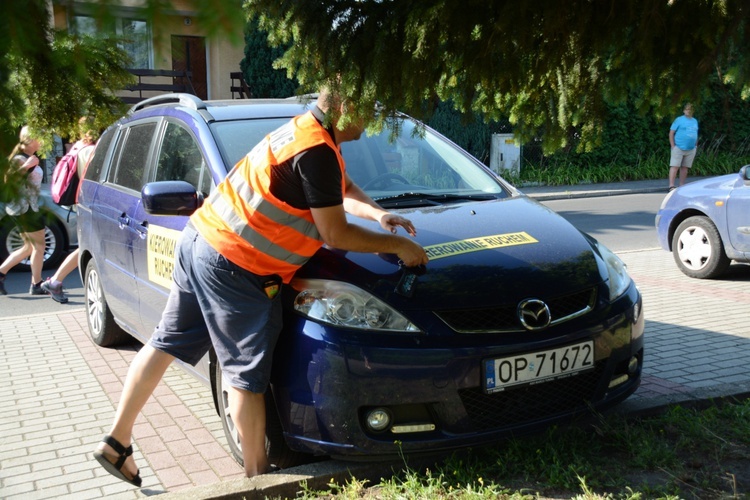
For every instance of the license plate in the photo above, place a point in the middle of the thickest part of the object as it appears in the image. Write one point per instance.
(535, 367)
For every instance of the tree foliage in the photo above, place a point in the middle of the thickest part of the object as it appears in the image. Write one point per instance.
(548, 66)
(49, 79)
(257, 66)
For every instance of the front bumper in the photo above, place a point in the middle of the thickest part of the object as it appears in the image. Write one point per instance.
(325, 384)
(663, 223)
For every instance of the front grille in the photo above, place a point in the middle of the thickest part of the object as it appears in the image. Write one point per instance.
(504, 318)
(530, 403)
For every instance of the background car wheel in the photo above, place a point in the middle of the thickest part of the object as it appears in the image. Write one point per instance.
(276, 448)
(698, 249)
(102, 327)
(54, 252)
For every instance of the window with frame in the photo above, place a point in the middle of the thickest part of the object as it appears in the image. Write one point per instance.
(134, 35)
(180, 159)
(133, 151)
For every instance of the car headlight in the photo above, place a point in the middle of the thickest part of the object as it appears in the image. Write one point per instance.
(341, 304)
(619, 279)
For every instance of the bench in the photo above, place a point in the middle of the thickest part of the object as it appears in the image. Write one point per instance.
(240, 87)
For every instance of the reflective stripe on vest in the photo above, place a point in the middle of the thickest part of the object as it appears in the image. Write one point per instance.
(260, 206)
(244, 222)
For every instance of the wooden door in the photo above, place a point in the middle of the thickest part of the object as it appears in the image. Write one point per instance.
(189, 54)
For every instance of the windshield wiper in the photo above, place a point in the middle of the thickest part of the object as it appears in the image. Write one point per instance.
(416, 199)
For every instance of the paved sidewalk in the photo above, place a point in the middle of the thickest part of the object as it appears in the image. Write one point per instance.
(59, 391)
(543, 193)
(58, 400)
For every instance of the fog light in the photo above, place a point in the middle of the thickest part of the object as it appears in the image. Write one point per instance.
(617, 381)
(633, 365)
(403, 429)
(378, 419)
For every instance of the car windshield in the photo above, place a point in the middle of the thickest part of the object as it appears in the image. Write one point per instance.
(409, 169)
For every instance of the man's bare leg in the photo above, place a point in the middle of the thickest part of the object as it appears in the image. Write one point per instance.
(672, 175)
(683, 175)
(248, 410)
(144, 374)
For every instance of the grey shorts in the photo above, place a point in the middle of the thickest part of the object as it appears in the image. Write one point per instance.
(215, 302)
(681, 158)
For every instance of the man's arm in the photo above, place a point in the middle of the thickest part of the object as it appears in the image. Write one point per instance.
(671, 138)
(358, 203)
(337, 232)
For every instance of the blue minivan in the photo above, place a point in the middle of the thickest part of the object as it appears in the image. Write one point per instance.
(519, 320)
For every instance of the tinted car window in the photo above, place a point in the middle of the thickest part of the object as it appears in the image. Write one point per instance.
(94, 169)
(236, 139)
(132, 166)
(180, 159)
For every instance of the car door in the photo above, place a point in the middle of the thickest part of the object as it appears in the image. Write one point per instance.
(177, 157)
(113, 217)
(738, 217)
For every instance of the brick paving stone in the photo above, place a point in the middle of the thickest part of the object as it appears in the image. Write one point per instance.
(62, 401)
(686, 336)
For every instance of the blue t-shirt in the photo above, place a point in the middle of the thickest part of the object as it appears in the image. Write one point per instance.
(686, 132)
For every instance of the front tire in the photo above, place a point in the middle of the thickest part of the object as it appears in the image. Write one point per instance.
(102, 327)
(277, 451)
(698, 250)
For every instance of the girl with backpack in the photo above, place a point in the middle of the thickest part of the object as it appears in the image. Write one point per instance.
(25, 212)
(85, 150)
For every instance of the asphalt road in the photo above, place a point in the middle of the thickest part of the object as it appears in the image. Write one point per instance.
(18, 302)
(622, 223)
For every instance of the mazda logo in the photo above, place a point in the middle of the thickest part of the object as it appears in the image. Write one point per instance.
(534, 314)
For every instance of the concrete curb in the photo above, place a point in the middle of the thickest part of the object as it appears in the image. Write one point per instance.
(594, 193)
(287, 483)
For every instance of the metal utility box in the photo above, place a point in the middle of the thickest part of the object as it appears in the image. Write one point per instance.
(505, 154)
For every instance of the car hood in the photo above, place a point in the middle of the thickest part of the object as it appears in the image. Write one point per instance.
(712, 185)
(480, 254)
(702, 195)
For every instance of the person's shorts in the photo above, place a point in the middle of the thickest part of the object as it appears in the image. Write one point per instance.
(215, 302)
(681, 158)
(29, 221)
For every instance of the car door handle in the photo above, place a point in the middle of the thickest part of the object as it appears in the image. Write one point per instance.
(123, 220)
(142, 229)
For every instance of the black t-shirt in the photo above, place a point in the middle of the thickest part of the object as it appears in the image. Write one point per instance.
(312, 179)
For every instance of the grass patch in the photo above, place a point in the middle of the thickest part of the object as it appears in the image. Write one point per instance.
(681, 453)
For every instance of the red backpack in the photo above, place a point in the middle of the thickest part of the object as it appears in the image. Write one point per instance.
(64, 186)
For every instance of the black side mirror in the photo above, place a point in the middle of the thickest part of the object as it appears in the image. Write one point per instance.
(170, 198)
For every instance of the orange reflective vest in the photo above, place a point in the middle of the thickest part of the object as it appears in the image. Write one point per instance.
(247, 224)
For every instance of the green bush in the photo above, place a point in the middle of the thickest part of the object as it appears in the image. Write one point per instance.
(633, 145)
(257, 66)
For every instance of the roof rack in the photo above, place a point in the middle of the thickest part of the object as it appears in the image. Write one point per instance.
(304, 97)
(187, 100)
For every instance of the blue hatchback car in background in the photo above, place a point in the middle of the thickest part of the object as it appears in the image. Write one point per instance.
(519, 320)
(706, 224)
